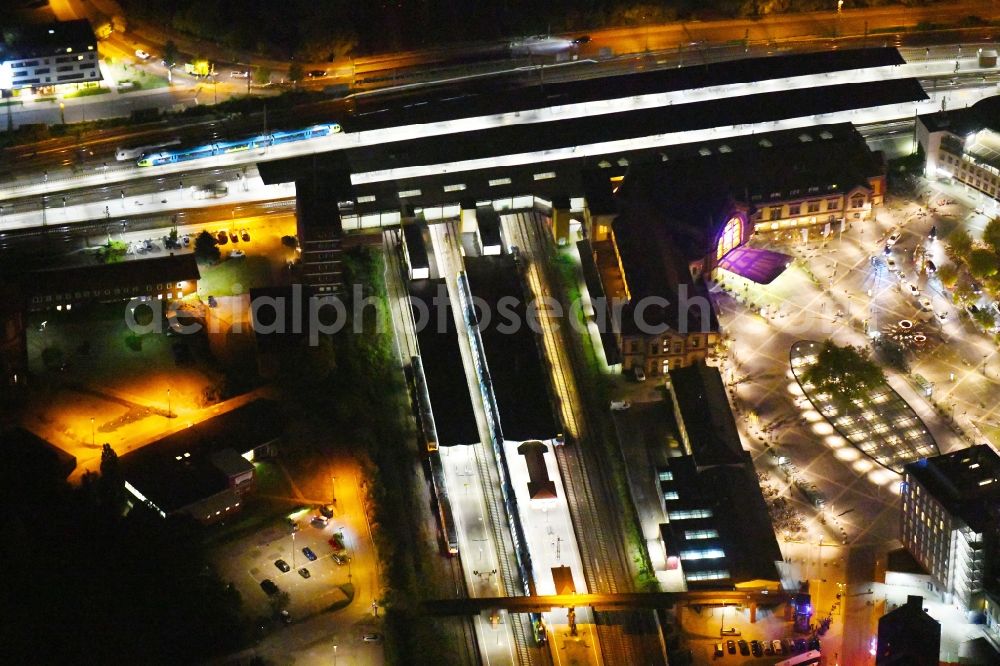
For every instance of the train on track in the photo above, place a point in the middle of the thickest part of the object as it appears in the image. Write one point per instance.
(226, 147)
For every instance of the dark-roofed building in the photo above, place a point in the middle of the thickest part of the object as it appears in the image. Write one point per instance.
(164, 278)
(13, 341)
(540, 486)
(908, 636)
(514, 361)
(48, 54)
(964, 144)
(718, 529)
(667, 224)
(951, 525)
(206, 470)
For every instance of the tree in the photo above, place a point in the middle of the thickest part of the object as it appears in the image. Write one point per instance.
(959, 245)
(991, 235)
(206, 247)
(290, 242)
(111, 484)
(170, 53)
(982, 263)
(846, 373)
(948, 274)
(261, 75)
(295, 72)
(984, 318)
(112, 252)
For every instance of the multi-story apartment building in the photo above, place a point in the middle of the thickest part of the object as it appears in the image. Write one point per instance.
(47, 55)
(964, 145)
(951, 525)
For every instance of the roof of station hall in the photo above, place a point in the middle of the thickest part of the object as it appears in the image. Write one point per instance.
(521, 91)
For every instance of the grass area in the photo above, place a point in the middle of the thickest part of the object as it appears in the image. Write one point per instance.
(595, 389)
(142, 82)
(87, 92)
(230, 277)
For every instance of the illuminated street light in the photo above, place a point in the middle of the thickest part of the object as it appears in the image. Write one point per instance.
(92, 438)
(169, 411)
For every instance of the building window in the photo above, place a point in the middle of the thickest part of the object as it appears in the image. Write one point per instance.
(857, 201)
(731, 237)
(689, 514)
(702, 554)
(678, 348)
(832, 204)
(717, 574)
(368, 198)
(409, 193)
(775, 212)
(696, 535)
(499, 181)
(794, 209)
(813, 206)
(545, 175)
(666, 475)
(671, 495)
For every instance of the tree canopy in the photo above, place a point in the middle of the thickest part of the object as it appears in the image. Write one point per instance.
(846, 373)
(206, 247)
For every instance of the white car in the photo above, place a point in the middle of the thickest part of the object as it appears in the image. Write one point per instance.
(908, 287)
(925, 304)
(893, 238)
(891, 264)
(239, 74)
(236, 254)
(620, 405)
(942, 315)
(142, 55)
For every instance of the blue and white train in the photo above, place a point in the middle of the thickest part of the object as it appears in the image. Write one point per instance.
(224, 147)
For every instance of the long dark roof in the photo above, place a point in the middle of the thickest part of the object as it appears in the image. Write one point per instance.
(513, 357)
(517, 92)
(172, 484)
(451, 402)
(34, 41)
(172, 268)
(965, 482)
(708, 419)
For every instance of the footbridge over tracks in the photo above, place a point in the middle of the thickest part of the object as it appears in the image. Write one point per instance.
(602, 602)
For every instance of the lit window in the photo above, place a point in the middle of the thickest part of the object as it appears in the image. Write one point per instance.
(695, 535)
(704, 152)
(689, 514)
(805, 138)
(409, 193)
(671, 495)
(368, 198)
(715, 574)
(704, 554)
(765, 143)
(544, 176)
(666, 476)
(825, 135)
(725, 149)
(502, 181)
(454, 188)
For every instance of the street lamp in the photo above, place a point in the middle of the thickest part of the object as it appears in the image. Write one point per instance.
(62, 113)
(169, 411)
(92, 437)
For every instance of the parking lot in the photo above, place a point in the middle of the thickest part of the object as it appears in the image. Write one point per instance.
(249, 561)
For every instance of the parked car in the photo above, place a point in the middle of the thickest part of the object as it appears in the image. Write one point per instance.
(237, 254)
(310, 555)
(326, 510)
(718, 650)
(269, 587)
(942, 315)
(638, 373)
(221, 238)
(909, 288)
(315, 73)
(239, 74)
(925, 304)
(282, 565)
(891, 264)
(304, 572)
(582, 39)
(800, 645)
(731, 646)
(286, 617)
(245, 235)
(186, 240)
(776, 644)
(814, 643)
(744, 648)
(768, 648)
(756, 649)
(930, 266)
(620, 405)
(339, 559)
(233, 237)
(320, 522)
(894, 237)
(372, 638)
(141, 55)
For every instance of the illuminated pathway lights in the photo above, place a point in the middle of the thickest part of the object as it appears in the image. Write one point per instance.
(882, 426)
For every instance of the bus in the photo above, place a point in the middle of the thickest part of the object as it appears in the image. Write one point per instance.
(805, 659)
